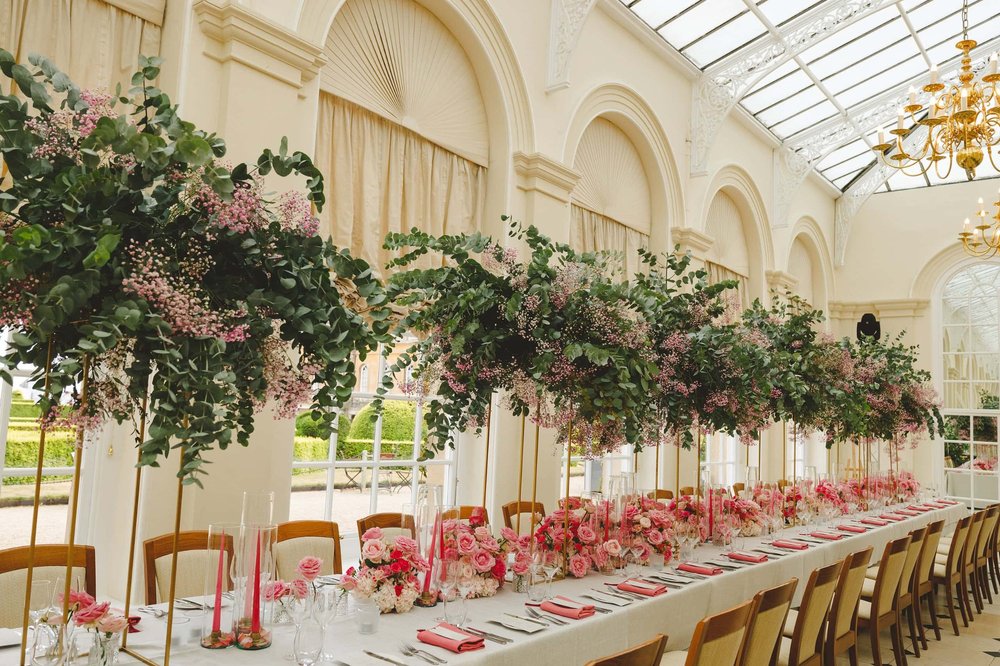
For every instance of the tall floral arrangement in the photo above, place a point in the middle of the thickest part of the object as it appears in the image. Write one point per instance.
(550, 329)
(581, 545)
(648, 523)
(480, 557)
(135, 261)
(388, 572)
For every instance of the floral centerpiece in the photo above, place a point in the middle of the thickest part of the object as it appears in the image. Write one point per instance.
(648, 523)
(280, 592)
(481, 558)
(580, 545)
(388, 573)
(828, 494)
(747, 514)
(690, 517)
(907, 486)
(84, 612)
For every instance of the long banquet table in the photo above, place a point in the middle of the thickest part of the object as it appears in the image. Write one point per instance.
(675, 613)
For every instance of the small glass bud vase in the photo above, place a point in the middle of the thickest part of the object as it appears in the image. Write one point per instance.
(103, 649)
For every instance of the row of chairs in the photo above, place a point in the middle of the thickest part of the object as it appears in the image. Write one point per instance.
(839, 602)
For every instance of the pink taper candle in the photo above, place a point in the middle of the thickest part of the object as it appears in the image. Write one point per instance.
(217, 616)
(255, 611)
(711, 511)
(430, 559)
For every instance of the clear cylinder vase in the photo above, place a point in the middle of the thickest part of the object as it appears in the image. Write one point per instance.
(217, 616)
(254, 571)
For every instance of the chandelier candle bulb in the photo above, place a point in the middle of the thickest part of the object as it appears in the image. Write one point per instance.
(934, 75)
(899, 118)
(993, 63)
(881, 137)
(913, 96)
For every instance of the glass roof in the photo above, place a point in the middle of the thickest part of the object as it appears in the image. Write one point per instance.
(837, 79)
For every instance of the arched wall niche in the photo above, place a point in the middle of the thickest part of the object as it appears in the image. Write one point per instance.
(737, 184)
(624, 108)
(808, 237)
(476, 27)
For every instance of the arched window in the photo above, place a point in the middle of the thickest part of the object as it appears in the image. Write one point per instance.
(729, 257)
(970, 354)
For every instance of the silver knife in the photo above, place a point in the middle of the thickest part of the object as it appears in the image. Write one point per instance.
(612, 594)
(529, 619)
(384, 658)
(496, 638)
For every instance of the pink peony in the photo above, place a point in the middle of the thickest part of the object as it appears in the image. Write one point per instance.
(482, 561)
(112, 624)
(579, 565)
(299, 588)
(309, 567)
(586, 534)
(91, 613)
(373, 549)
(613, 547)
(372, 534)
(405, 545)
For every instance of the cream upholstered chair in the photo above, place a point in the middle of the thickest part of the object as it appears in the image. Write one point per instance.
(924, 585)
(193, 558)
(881, 610)
(299, 538)
(717, 640)
(969, 580)
(391, 524)
(464, 513)
(511, 510)
(802, 642)
(842, 627)
(767, 617)
(50, 565)
(738, 488)
(947, 571)
(905, 588)
(645, 654)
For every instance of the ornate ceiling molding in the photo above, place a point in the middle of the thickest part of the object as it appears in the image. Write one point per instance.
(565, 26)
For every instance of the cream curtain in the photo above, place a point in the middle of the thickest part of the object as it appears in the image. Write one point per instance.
(381, 177)
(719, 273)
(592, 232)
(98, 44)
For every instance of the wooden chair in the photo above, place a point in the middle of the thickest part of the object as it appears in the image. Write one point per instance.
(842, 627)
(994, 563)
(767, 618)
(924, 584)
(687, 490)
(644, 654)
(513, 509)
(986, 538)
(738, 488)
(391, 524)
(782, 484)
(465, 512)
(881, 611)
(969, 565)
(947, 570)
(661, 494)
(717, 640)
(193, 553)
(905, 590)
(50, 565)
(802, 641)
(298, 538)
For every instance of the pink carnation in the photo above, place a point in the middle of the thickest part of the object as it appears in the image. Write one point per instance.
(91, 613)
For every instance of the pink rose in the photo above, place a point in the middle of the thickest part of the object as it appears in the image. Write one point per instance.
(373, 549)
(275, 590)
(481, 533)
(348, 582)
(466, 543)
(482, 561)
(299, 588)
(522, 563)
(76, 599)
(600, 557)
(654, 537)
(112, 624)
(372, 534)
(91, 613)
(309, 567)
(508, 534)
(586, 534)
(478, 516)
(405, 545)
(489, 543)
(613, 548)
(579, 565)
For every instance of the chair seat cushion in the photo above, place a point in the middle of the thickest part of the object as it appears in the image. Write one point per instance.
(865, 610)
(867, 588)
(789, 628)
(784, 651)
(674, 658)
(940, 570)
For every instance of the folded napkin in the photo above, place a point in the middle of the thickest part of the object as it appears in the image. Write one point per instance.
(747, 557)
(827, 535)
(878, 522)
(789, 545)
(891, 517)
(450, 637)
(935, 505)
(567, 608)
(642, 587)
(917, 507)
(699, 569)
(852, 528)
(947, 502)
(133, 620)
(907, 513)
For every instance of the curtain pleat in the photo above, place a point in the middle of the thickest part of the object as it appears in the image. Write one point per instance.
(719, 273)
(592, 232)
(381, 177)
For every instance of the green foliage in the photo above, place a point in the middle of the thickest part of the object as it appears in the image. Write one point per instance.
(77, 212)
(398, 421)
(22, 450)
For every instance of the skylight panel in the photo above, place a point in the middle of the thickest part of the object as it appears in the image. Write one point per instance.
(787, 107)
(867, 49)
(845, 152)
(875, 85)
(851, 166)
(733, 35)
(928, 13)
(778, 90)
(780, 11)
(657, 12)
(804, 119)
(701, 18)
(855, 31)
(844, 181)
(877, 64)
(902, 181)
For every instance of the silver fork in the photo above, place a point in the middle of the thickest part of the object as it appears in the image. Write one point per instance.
(545, 618)
(411, 651)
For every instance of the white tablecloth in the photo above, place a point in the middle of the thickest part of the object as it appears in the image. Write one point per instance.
(675, 614)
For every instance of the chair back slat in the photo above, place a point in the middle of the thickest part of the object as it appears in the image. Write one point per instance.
(320, 536)
(890, 569)
(767, 619)
(718, 638)
(807, 636)
(844, 608)
(511, 510)
(644, 654)
(929, 551)
(913, 550)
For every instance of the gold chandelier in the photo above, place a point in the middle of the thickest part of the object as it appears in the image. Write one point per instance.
(983, 238)
(962, 120)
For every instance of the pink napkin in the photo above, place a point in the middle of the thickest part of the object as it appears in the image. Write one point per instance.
(577, 612)
(891, 517)
(947, 502)
(789, 545)
(642, 587)
(907, 513)
(874, 521)
(453, 643)
(827, 535)
(935, 505)
(746, 557)
(133, 621)
(852, 528)
(917, 507)
(699, 569)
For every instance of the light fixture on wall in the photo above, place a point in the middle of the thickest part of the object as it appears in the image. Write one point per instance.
(962, 120)
(983, 238)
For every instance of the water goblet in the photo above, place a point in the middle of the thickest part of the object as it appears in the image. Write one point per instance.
(308, 643)
(637, 551)
(325, 608)
(551, 564)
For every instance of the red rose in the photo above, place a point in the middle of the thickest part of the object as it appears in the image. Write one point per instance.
(395, 554)
(499, 569)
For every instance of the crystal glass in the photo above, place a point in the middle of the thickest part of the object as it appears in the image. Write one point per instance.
(41, 595)
(636, 551)
(308, 642)
(551, 564)
(325, 607)
(366, 615)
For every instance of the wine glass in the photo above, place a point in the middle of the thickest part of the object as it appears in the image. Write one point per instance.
(299, 609)
(308, 642)
(636, 550)
(448, 586)
(41, 595)
(325, 608)
(551, 563)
